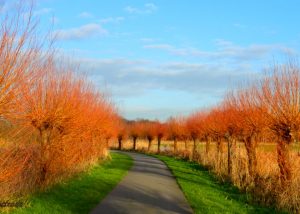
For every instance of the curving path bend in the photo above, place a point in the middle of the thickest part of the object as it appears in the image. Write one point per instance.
(149, 187)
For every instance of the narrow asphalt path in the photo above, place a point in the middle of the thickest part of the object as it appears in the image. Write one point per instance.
(149, 187)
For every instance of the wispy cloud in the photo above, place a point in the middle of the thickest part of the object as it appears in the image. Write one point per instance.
(38, 12)
(147, 40)
(112, 20)
(82, 32)
(147, 9)
(171, 49)
(239, 25)
(206, 81)
(225, 50)
(43, 11)
(2, 5)
(125, 76)
(85, 15)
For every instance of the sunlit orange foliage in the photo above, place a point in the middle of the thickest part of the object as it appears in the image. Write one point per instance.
(63, 111)
(20, 53)
(215, 127)
(135, 129)
(148, 132)
(122, 132)
(20, 58)
(278, 95)
(195, 128)
(250, 122)
(59, 123)
(230, 119)
(175, 129)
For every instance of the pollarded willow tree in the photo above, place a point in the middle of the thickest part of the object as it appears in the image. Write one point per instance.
(195, 127)
(60, 122)
(148, 132)
(175, 130)
(23, 55)
(122, 132)
(70, 119)
(160, 132)
(105, 119)
(250, 122)
(230, 119)
(278, 96)
(50, 108)
(134, 131)
(216, 129)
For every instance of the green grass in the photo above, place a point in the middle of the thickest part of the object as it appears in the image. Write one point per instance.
(82, 193)
(205, 194)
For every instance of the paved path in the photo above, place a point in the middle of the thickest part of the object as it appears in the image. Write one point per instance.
(149, 187)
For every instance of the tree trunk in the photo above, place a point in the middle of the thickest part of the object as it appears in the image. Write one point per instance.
(207, 146)
(194, 148)
(44, 141)
(219, 146)
(284, 161)
(134, 143)
(149, 144)
(219, 152)
(185, 145)
(158, 144)
(229, 156)
(251, 145)
(175, 145)
(120, 143)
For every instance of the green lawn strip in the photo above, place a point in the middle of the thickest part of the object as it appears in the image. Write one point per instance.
(82, 193)
(205, 194)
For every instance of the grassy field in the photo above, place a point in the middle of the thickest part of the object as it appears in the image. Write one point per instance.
(80, 194)
(205, 194)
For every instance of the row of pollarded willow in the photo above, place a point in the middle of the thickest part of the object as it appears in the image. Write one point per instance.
(269, 107)
(56, 122)
(144, 129)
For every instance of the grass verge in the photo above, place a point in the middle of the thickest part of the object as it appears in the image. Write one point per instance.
(82, 193)
(205, 194)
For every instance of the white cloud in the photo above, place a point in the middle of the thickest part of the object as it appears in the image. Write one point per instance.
(225, 50)
(124, 76)
(147, 9)
(165, 47)
(153, 113)
(82, 32)
(150, 7)
(169, 48)
(147, 40)
(132, 81)
(39, 12)
(112, 20)
(207, 80)
(3, 6)
(85, 15)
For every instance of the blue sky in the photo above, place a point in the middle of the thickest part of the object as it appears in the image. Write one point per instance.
(160, 58)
